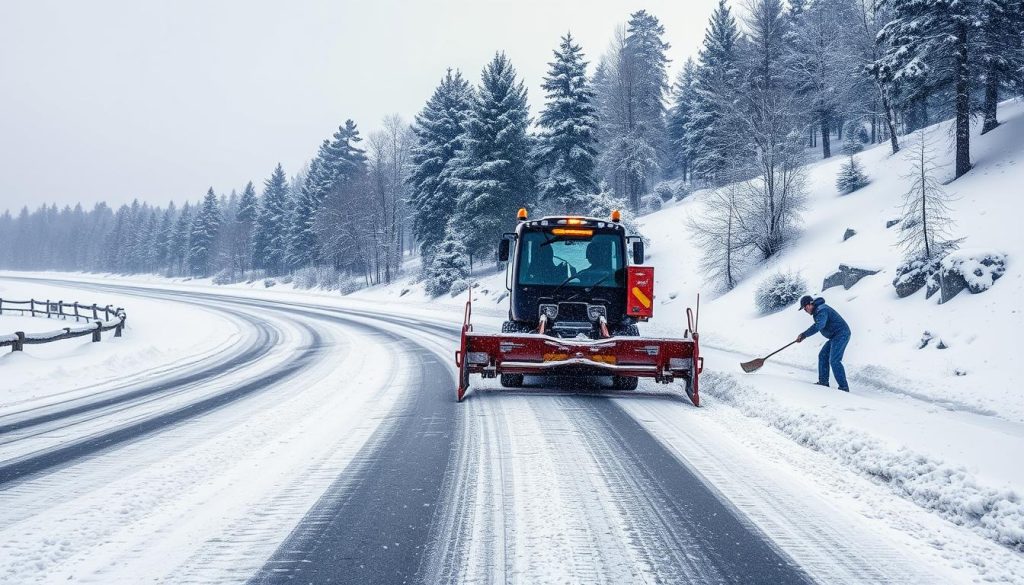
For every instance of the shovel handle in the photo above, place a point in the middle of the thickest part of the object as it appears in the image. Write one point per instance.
(780, 349)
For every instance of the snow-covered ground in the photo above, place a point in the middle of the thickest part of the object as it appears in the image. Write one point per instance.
(923, 456)
(156, 333)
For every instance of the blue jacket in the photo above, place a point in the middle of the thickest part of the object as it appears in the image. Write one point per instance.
(826, 320)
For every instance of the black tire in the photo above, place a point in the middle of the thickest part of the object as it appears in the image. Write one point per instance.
(512, 380)
(625, 382)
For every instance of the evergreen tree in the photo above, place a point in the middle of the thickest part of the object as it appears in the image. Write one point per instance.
(851, 177)
(164, 238)
(566, 149)
(494, 165)
(244, 224)
(439, 131)
(646, 51)
(449, 264)
(338, 160)
(999, 50)
(270, 234)
(203, 236)
(930, 44)
(711, 129)
(180, 241)
(679, 117)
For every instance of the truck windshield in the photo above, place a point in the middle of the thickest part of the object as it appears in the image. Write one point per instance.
(549, 260)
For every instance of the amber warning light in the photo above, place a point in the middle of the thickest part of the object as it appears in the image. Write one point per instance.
(522, 214)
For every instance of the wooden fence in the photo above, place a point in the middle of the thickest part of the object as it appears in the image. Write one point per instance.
(98, 319)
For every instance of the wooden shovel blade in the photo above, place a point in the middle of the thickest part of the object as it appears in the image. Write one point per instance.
(752, 365)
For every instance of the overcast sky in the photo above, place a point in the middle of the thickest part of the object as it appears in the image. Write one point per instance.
(113, 100)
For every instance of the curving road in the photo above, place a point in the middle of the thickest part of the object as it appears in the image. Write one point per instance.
(327, 448)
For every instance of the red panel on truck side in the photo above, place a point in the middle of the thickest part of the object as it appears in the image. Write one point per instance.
(640, 291)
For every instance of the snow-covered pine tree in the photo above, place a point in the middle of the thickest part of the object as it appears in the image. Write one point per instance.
(924, 228)
(450, 263)
(678, 117)
(931, 42)
(302, 246)
(182, 234)
(823, 65)
(566, 145)
(439, 128)
(164, 238)
(270, 234)
(999, 52)
(851, 177)
(203, 237)
(244, 225)
(338, 160)
(647, 52)
(630, 83)
(711, 129)
(493, 168)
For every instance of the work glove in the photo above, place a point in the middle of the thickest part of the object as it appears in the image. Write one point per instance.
(799, 338)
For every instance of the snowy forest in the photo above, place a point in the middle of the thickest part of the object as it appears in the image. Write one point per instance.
(775, 85)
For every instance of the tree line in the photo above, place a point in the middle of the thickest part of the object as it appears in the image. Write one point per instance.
(764, 90)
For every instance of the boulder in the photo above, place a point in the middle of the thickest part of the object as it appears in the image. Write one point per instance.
(850, 232)
(913, 275)
(846, 276)
(974, 270)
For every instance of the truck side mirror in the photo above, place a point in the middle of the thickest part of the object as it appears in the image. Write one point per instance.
(503, 249)
(638, 252)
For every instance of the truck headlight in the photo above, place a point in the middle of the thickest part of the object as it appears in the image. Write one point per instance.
(549, 311)
(595, 312)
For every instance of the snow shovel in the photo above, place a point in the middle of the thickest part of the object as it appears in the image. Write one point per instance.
(755, 365)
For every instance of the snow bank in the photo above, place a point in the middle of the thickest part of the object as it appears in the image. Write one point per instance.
(947, 489)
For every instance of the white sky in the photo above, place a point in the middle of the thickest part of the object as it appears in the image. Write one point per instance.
(117, 99)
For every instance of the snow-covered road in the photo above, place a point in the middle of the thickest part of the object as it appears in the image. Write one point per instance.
(325, 445)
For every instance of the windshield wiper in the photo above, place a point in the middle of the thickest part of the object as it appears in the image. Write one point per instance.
(564, 282)
(593, 286)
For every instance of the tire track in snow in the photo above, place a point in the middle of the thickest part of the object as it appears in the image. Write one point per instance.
(256, 345)
(373, 524)
(20, 468)
(580, 492)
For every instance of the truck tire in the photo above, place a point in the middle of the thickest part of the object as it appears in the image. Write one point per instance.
(512, 380)
(626, 382)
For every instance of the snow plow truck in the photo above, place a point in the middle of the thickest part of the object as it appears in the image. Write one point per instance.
(577, 291)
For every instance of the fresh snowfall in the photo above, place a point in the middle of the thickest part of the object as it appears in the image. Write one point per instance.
(403, 363)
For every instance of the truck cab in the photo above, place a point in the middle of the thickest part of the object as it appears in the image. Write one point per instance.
(574, 276)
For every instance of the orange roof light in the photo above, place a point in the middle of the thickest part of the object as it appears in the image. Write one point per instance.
(522, 214)
(572, 232)
(616, 215)
(574, 221)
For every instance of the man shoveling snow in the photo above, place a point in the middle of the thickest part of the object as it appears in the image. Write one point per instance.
(834, 328)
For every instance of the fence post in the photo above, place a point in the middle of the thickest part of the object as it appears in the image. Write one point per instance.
(32, 306)
(19, 343)
(76, 311)
(97, 334)
(95, 314)
(47, 308)
(60, 309)
(1, 306)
